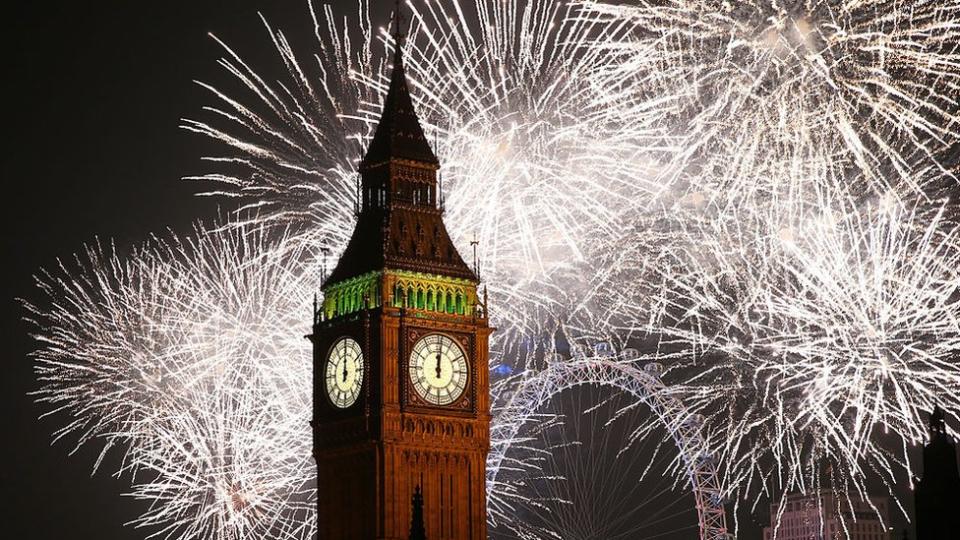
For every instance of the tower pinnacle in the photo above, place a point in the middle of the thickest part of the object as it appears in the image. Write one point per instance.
(938, 426)
(397, 31)
(399, 134)
(399, 203)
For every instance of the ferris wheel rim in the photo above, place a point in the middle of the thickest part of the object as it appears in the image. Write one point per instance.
(645, 384)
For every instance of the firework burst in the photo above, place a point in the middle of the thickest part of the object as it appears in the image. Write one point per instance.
(750, 188)
(537, 164)
(809, 270)
(186, 357)
(765, 93)
(523, 124)
(802, 338)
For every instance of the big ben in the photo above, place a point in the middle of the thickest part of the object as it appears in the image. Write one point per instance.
(400, 346)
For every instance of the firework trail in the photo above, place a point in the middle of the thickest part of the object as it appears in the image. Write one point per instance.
(750, 188)
(764, 93)
(536, 165)
(802, 338)
(809, 272)
(523, 123)
(185, 357)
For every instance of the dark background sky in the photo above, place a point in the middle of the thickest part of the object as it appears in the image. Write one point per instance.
(97, 94)
(93, 97)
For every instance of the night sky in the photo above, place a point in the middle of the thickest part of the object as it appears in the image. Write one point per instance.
(95, 92)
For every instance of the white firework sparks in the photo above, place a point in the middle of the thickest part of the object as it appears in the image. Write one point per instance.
(747, 187)
(807, 336)
(765, 92)
(292, 157)
(537, 164)
(188, 357)
(805, 272)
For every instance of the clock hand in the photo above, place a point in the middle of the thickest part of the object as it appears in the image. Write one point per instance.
(344, 371)
(438, 365)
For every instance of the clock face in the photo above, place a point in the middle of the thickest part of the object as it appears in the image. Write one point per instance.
(344, 373)
(438, 369)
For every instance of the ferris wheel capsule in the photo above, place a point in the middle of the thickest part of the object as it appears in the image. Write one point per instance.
(603, 349)
(654, 368)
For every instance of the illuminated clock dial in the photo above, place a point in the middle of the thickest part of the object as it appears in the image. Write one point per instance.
(344, 373)
(438, 369)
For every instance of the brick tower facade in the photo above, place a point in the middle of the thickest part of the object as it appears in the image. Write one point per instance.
(401, 390)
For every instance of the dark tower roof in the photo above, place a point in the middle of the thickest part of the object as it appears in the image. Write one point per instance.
(399, 134)
(400, 224)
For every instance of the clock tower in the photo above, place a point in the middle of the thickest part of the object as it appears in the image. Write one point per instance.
(401, 389)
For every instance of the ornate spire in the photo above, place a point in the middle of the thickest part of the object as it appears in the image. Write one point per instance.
(399, 134)
(397, 30)
(399, 204)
